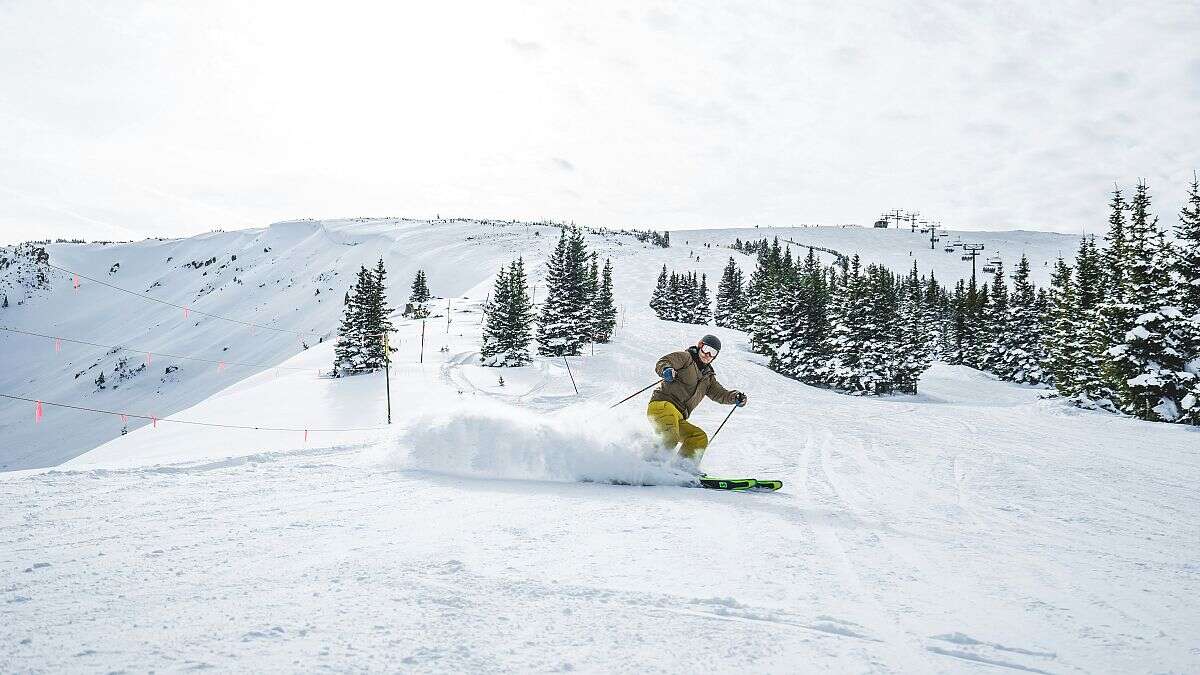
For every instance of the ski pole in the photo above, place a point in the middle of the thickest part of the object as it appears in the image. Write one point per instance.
(634, 394)
(710, 438)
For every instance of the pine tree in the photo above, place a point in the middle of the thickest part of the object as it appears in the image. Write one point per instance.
(495, 325)
(5, 301)
(604, 308)
(764, 297)
(1064, 345)
(996, 338)
(1187, 235)
(703, 302)
(519, 317)
(349, 351)
(658, 300)
(419, 296)
(913, 354)
(1148, 358)
(1024, 354)
(1115, 318)
(376, 318)
(508, 319)
(563, 326)
(100, 381)
(729, 296)
(1091, 334)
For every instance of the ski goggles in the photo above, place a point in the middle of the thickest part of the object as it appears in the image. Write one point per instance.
(705, 349)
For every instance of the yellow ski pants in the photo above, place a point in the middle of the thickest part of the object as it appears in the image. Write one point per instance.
(675, 430)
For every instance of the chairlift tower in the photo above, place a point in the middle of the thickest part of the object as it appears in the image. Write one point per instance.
(972, 251)
(933, 234)
(911, 217)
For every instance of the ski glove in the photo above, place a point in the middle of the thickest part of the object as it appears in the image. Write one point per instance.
(739, 399)
(668, 374)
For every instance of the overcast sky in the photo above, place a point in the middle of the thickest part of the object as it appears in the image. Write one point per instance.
(124, 119)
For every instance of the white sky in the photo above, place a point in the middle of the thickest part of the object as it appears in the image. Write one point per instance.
(125, 119)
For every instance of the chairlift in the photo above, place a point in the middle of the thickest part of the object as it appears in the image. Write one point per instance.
(949, 249)
(956, 243)
(968, 257)
(989, 269)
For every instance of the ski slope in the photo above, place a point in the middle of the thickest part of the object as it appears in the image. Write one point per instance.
(972, 527)
(897, 248)
(290, 277)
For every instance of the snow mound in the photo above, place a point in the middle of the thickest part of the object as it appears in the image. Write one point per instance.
(486, 439)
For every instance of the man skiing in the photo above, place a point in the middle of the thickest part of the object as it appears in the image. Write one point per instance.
(687, 377)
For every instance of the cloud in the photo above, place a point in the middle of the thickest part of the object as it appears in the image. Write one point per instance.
(529, 48)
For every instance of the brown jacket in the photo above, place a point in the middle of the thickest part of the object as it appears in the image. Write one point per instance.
(691, 384)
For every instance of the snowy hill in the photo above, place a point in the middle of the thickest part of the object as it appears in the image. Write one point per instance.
(289, 278)
(897, 248)
(974, 525)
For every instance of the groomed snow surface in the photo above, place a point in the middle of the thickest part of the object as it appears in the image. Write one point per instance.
(974, 527)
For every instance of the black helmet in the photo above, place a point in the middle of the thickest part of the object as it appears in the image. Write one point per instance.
(711, 341)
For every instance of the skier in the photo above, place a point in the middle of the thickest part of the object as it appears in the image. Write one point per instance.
(687, 377)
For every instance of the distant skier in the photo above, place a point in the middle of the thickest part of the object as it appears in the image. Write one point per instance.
(687, 377)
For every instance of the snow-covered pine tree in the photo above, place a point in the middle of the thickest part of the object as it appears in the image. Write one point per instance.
(983, 304)
(857, 355)
(1089, 288)
(349, 353)
(604, 308)
(812, 352)
(419, 296)
(1024, 355)
(1114, 313)
(563, 326)
(658, 300)
(682, 298)
(913, 355)
(376, 318)
(1187, 264)
(1147, 363)
(591, 288)
(672, 298)
(508, 319)
(703, 302)
(519, 316)
(1064, 344)
(969, 326)
(764, 297)
(553, 331)
(956, 325)
(729, 296)
(995, 338)
(495, 321)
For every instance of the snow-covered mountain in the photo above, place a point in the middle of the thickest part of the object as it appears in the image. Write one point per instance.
(975, 525)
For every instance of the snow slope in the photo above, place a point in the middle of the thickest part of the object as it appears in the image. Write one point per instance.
(275, 280)
(974, 526)
(898, 247)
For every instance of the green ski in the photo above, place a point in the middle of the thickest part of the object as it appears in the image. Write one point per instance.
(739, 484)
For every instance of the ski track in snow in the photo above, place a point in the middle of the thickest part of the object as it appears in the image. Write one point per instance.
(971, 527)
